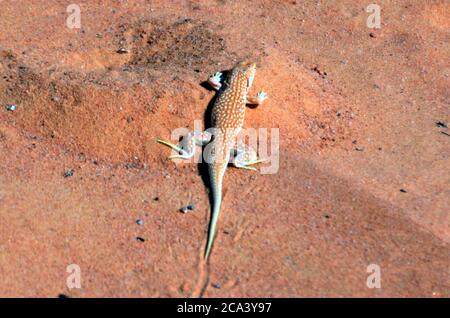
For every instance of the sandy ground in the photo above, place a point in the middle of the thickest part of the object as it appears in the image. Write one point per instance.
(358, 112)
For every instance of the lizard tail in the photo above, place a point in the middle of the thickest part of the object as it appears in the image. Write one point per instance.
(216, 175)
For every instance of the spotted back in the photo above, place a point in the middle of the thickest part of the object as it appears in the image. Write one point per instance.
(228, 112)
(229, 109)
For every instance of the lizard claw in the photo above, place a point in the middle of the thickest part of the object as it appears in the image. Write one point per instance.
(247, 167)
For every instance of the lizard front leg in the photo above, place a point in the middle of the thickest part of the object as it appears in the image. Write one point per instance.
(244, 156)
(186, 148)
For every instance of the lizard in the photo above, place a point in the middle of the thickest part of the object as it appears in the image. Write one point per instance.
(227, 119)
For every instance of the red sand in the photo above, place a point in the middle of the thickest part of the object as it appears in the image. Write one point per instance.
(309, 230)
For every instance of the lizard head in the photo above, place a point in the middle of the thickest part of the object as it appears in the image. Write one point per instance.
(248, 69)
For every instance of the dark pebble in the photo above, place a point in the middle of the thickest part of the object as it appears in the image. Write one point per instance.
(441, 124)
(68, 173)
(187, 208)
(216, 285)
(140, 239)
(403, 190)
(139, 222)
(11, 107)
(122, 51)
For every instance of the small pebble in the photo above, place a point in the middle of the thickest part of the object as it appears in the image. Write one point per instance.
(216, 285)
(68, 173)
(441, 124)
(187, 208)
(122, 51)
(11, 107)
(139, 222)
(403, 190)
(140, 239)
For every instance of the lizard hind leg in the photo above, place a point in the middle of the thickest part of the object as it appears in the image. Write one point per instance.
(186, 148)
(245, 156)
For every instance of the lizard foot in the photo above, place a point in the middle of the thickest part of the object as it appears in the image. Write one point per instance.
(186, 148)
(183, 154)
(258, 99)
(215, 80)
(261, 96)
(245, 157)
